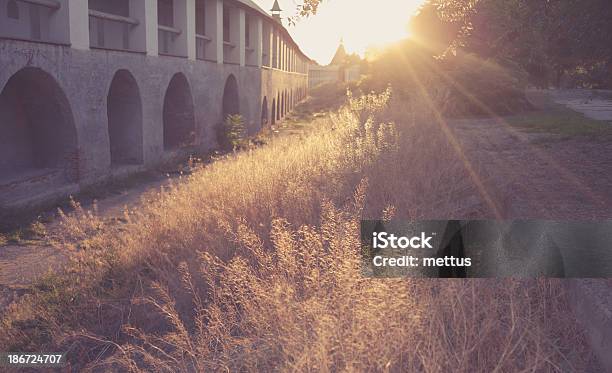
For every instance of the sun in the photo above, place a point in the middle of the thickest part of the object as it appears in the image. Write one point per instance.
(359, 23)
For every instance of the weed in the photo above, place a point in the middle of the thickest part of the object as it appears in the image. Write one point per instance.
(253, 264)
(232, 133)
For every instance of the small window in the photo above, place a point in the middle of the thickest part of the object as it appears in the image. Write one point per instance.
(247, 31)
(12, 9)
(165, 13)
(226, 24)
(118, 7)
(200, 17)
(35, 31)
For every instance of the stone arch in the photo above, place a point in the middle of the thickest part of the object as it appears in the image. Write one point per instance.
(286, 105)
(231, 98)
(278, 106)
(124, 111)
(37, 129)
(274, 111)
(178, 114)
(230, 105)
(264, 112)
(283, 105)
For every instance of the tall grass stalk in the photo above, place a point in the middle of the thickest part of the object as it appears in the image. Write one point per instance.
(252, 264)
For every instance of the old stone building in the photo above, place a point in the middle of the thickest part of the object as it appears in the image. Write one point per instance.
(343, 67)
(91, 90)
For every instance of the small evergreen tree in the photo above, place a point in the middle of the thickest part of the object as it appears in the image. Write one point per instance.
(232, 132)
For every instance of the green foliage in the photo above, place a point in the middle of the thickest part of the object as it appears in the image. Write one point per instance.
(597, 75)
(231, 134)
(548, 39)
(559, 120)
(473, 86)
(36, 231)
(306, 9)
(461, 85)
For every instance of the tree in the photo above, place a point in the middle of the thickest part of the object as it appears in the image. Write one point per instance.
(547, 38)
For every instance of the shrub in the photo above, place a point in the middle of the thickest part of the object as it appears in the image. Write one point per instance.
(231, 133)
(461, 85)
(473, 86)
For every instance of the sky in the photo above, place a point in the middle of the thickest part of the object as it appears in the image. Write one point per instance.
(360, 23)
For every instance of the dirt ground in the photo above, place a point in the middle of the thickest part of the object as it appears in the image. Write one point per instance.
(24, 261)
(542, 176)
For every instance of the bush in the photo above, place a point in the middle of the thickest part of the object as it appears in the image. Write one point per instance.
(473, 86)
(231, 134)
(458, 86)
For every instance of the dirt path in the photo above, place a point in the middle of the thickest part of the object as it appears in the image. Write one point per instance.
(541, 175)
(19, 260)
(546, 176)
(23, 262)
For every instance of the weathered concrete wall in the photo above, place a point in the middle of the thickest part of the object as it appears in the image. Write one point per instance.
(275, 83)
(85, 78)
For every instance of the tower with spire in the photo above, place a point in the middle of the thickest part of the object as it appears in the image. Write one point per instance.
(276, 11)
(340, 56)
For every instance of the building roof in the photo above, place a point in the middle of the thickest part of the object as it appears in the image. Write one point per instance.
(252, 5)
(276, 7)
(340, 56)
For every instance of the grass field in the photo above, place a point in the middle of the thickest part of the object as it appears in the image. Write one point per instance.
(252, 263)
(550, 117)
(561, 121)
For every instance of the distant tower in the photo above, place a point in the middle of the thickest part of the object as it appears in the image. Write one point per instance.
(276, 11)
(341, 55)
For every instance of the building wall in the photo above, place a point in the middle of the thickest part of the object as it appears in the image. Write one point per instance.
(318, 75)
(84, 77)
(274, 84)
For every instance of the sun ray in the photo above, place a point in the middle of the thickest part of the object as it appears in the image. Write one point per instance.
(542, 155)
(456, 146)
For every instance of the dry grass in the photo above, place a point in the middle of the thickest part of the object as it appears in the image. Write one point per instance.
(252, 264)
